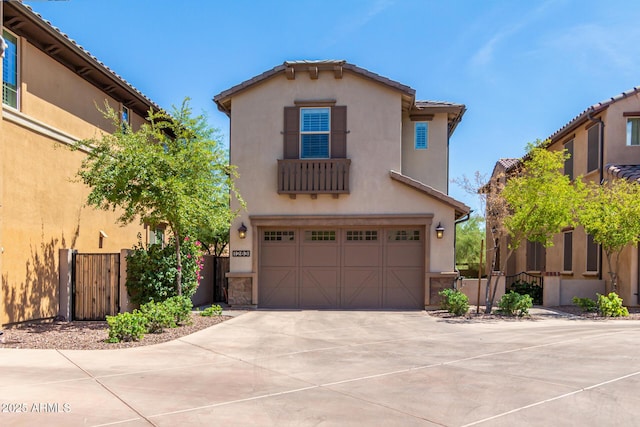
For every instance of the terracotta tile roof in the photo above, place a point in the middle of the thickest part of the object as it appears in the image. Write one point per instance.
(509, 164)
(592, 110)
(221, 98)
(629, 172)
(424, 104)
(460, 208)
(71, 44)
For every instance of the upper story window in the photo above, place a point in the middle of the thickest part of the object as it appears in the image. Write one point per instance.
(125, 119)
(421, 138)
(633, 130)
(593, 148)
(314, 133)
(568, 162)
(10, 78)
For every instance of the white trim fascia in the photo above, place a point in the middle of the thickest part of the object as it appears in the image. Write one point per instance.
(30, 123)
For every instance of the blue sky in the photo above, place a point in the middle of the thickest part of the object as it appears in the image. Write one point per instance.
(522, 68)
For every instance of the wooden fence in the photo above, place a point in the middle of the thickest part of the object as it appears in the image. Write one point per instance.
(96, 286)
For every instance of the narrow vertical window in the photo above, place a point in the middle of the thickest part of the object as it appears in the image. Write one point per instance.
(568, 162)
(567, 264)
(421, 136)
(593, 148)
(10, 71)
(633, 131)
(315, 128)
(592, 254)
(535, 256)
(125, 120)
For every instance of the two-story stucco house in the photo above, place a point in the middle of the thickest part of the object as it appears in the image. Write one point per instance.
(50, 89)
(603, 143)
(345, 177)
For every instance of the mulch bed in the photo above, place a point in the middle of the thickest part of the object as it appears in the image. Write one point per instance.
(91, 335)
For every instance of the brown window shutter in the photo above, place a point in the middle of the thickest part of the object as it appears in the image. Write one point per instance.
(339, 132)
(291, 132)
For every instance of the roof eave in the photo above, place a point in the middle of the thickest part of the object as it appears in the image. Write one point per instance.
(460, 208)
(83, 63)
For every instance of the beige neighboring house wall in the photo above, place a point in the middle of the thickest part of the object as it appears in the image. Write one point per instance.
(42, 207)
(386, 185)
(620, 161)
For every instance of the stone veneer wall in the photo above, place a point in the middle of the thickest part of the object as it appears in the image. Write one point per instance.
(240, 291)
(436, 284)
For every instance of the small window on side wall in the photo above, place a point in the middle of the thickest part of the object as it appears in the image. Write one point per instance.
(124, 118)
(421, 137)
(633, 131)
(10, 76)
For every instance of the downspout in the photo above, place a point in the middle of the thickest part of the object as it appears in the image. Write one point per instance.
(455, 232)
(601, 167)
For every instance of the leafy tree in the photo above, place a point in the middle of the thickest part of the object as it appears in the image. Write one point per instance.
(610, 212)
(540, 201)
(171, 170)
(469, 234)
(532, 202)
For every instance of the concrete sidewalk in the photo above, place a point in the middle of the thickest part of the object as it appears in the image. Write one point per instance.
(277, 368)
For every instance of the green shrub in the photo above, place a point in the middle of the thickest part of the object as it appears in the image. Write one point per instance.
(180, 308)
(585, 304)
(611, 306)
(454, 301)
(527, 288)
(514, 304)
(214, 310)
(158, 316)
(126, 327)
(151, 271)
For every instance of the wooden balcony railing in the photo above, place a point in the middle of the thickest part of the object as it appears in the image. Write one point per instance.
(317, 176)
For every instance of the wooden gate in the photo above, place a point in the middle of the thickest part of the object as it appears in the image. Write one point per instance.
(96, 286)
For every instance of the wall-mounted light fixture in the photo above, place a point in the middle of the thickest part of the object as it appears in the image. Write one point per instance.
(103, 236)
(242, 231)
(439, 231)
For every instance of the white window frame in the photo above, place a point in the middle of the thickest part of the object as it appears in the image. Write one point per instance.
(418, 145)
(156, 234)
(629, 135)
(18, 74)
(327, 132)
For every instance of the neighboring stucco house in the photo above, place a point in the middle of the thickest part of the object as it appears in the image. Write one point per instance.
(345, 177)
(604, 143)
(50, 89)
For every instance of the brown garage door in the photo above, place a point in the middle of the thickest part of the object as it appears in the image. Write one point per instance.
(342, 268)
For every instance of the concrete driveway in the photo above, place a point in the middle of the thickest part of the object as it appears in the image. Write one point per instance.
(289, 368)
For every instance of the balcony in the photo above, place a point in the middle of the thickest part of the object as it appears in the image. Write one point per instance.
(313, 176)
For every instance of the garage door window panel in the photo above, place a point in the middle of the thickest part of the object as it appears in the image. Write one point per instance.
(279, 236)
(404, 235)
(362, 235)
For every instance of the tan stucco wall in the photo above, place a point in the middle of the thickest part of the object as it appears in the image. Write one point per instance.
(616, 151)
(427, 166)
(42, 210)
(47, 97)
(374, 145)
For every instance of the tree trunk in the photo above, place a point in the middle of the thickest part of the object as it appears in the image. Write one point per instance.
(179, 266)
(488, 299)
(613, 270)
